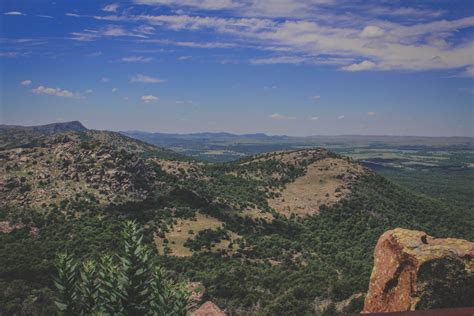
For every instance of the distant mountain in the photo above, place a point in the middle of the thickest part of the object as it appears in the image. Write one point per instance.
(19, 136)
(73, 126)
(226, 146)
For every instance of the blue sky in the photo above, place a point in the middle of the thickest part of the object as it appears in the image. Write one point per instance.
(308, 67)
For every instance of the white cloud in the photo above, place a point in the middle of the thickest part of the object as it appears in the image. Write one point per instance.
(371, 113)
(88, 35)
(372, 31)
(404, 38)
(149, 98)
(74, 15)
(185, 57)
(111, 7)
(340, 117)
(89, 91)
(45, 16)
(56, 92)
(13, 13)
(402, 47)
(316, 98)
(137, 59)
(365, 65)
(279, 60)
(277, 116)
(204, 45)
(269, 8)
(468, 72)
(9, 54)
(314, 118)
(200, 4)
(145, 79)
(26, 82)
(114, 89)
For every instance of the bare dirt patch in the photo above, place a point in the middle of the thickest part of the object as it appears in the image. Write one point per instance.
(326, 182)
(188, 228)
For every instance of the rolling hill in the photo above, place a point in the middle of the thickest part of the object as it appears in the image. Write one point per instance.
(267, 233)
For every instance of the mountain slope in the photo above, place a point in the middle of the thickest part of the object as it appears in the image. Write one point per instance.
(224, 225)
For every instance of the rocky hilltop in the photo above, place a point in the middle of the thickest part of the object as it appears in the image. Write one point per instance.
(413, 270)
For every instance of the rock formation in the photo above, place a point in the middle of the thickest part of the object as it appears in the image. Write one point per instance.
(413, 270)
(208, 309)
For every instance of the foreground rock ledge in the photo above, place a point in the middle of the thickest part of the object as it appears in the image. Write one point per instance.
(413, 270)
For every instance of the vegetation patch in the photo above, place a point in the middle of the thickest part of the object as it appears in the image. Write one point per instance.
(325, 182)
(186, 236)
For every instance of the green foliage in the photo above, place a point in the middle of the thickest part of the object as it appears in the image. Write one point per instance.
(130, 285)
(205, 238)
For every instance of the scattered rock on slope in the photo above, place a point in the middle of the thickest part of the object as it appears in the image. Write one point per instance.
(413, 270)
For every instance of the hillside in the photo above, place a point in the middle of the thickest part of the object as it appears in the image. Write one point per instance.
(268, 233)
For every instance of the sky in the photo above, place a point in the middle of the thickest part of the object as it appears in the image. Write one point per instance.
(307, 67)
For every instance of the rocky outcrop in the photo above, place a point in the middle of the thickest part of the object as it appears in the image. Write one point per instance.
(413, 270)
(208, 309)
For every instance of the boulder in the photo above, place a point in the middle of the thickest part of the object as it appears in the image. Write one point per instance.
(413, 270)
(208, 309)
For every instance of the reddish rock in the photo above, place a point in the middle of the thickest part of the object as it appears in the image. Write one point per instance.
(415, 271)
(208, 309)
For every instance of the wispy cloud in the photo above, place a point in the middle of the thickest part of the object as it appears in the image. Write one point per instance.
(74, 15)
(149, 98)
(45, 16)
(371, 113)
(316, 98)
(56, 92)
(88, 35)
(111, 7)
(146, 79)
(314, 118)
(364, 65)
(200, 4)
(278, 116)
(17, 13)
(340, 117)
(136, 59)
(204, 45)
(26, 82)
(279, 60)
(185, 57)
(468, 72)
(380, 45)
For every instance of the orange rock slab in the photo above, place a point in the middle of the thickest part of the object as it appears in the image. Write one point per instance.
(403, 262)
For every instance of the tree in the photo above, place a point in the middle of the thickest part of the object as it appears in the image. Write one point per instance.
(128, 283)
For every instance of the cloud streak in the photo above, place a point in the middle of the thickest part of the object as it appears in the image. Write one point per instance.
(56, 92)
(381, 45)
(145, 79)
(149, 98)
(279, 117)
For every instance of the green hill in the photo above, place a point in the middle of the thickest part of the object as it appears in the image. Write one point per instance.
(271, 233)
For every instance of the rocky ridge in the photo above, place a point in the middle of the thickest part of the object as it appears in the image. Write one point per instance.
(68, 168)
(413, 270)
